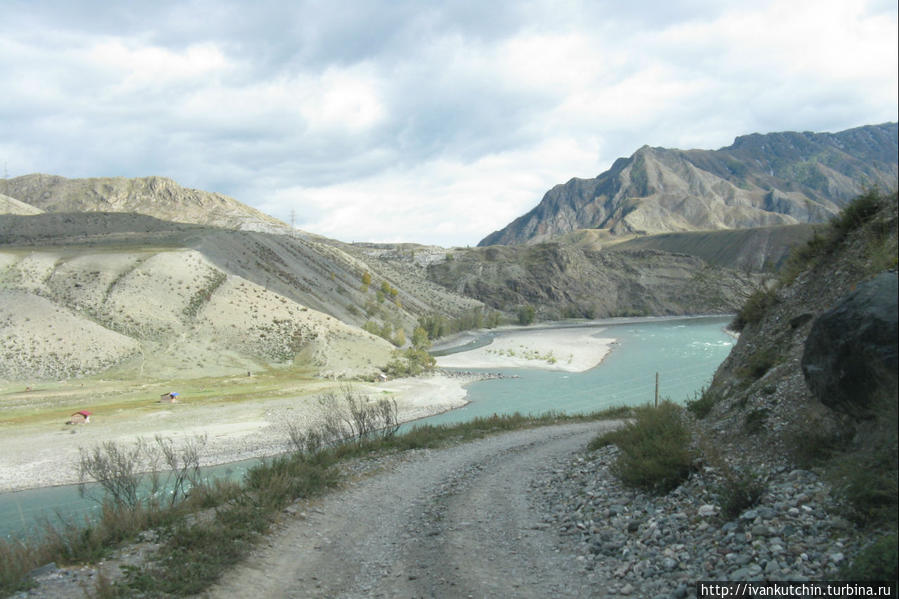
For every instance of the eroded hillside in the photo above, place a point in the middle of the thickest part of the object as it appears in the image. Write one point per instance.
(565, 281)
(168, 299)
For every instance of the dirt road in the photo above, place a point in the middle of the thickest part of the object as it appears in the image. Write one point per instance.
(456, 522)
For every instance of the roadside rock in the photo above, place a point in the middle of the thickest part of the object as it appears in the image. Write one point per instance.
(852, 349)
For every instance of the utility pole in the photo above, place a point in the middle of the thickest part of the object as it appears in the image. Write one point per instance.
(657, 390)
(293, 221)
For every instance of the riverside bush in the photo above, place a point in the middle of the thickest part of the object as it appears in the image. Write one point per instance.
(702, 403)
(654, 449)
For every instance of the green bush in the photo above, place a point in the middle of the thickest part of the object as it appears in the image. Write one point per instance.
(654, 449)
(526, 315)
(410, 362)
(754, 421)
(758, 364)
(754, 308)
(875, 563)
(702, 403)
(739, 491)
(857, 212)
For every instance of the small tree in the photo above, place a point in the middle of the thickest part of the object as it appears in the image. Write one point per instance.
(526, 315)
(420, 338)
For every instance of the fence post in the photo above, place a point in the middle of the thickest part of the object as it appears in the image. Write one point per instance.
(657, 390)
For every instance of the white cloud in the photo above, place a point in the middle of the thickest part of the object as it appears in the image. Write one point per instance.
(439, 124)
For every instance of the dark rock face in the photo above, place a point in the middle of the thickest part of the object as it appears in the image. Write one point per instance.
(851, 352)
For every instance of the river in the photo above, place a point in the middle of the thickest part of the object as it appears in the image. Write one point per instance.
(684, 352)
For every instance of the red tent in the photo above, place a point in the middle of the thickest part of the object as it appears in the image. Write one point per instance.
(79, 417)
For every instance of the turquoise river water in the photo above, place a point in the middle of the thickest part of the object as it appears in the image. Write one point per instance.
(684, 352)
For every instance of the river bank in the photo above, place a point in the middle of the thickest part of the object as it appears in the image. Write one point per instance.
(47, 453)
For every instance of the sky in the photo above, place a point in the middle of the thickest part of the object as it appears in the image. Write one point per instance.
(421, 121)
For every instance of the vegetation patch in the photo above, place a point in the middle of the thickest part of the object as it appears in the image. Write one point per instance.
(758, 364)
(877, 562)
(654, 449)
(738, 492)
(754, 421)
(703, 401)
(754, 309)
(859, 215)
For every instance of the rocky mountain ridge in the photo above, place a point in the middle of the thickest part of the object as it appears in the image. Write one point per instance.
(153, 196)
(760, 180)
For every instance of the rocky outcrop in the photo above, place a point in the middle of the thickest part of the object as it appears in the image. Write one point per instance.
(814, 347)
(760, 180)
(852, 350)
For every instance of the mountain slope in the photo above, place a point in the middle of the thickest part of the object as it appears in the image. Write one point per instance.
(755, 249)
(760, 398)
(170, 299)
(563, 281)
(10, 205)
(760, 180)
(153, 196)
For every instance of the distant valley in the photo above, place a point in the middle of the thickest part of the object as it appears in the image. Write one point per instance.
(145, 277)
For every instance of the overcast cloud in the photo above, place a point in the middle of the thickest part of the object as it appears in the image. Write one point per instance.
(435, 122)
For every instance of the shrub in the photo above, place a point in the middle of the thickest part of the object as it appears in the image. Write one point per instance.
(754, 421)
(654, 450)
(739, 491)
(758, 364)
(754, 308)
(702, 403)
(856, 213)
(876, 562)
(526, 315)
(410, 362)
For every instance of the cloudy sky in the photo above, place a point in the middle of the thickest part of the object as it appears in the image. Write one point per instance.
(436, 122)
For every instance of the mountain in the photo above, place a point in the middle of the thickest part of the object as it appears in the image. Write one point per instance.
(751, 250)
(560, 280)
(90, 292)
(10, 205)
(760, 180)
(153, 196)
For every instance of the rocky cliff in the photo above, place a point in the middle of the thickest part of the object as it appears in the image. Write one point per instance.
(760, 180)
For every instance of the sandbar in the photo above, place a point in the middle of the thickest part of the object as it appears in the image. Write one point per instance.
(567, 349)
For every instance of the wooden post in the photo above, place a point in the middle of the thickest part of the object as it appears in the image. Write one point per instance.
(657, 390)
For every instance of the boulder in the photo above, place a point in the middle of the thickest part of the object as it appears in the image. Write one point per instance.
(852, 353)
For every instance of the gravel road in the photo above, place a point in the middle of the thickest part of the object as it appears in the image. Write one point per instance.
(456, 522)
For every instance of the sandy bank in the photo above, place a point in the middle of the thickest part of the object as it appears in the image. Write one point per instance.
(569, 349)
(39, 455)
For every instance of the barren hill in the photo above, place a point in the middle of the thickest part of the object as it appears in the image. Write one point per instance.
(153, 196)
(128, 291)
(760, 180)
(10, 205)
